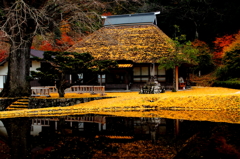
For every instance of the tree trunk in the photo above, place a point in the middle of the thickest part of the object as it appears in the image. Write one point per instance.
(174, 80)
(196, 30)
(18, 134)
(62, 84)
(61, 92)
(20, 37)
(17, 83)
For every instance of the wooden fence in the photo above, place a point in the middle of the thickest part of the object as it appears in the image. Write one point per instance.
(46, 90)
(40, 91)
(88, 89)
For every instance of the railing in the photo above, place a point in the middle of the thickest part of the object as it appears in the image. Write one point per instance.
(40, 91)
(46, 90)
(99, 89)
(82, 89)
(52, 89)
(88, 89)
(46, 121)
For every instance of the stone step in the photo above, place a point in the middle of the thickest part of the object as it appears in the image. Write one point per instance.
(17, 105)
(21, 103)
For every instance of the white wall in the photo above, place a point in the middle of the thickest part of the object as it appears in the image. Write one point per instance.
(3, 72)
(35, 65)
(4, 69)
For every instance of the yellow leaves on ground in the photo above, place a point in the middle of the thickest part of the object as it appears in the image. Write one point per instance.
(199, 103)
(205, 98)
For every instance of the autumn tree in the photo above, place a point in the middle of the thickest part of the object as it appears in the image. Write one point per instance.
(183, 52)
(233, 44)
(3, 55)
(204, 58)
(4, 48)
(219, 45)
(231, 64)
(230, 68)
(21, 20)
(62, 39)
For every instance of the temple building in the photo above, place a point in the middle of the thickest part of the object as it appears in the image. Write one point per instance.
(136, 43)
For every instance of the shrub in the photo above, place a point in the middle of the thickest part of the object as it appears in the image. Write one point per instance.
(229, 84)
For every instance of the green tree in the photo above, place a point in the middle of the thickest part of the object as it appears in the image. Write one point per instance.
(183, 52)
(204, 19)
(102, 67)
(204, 58)
(61, 64)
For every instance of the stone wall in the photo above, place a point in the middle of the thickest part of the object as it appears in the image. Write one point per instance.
(44, 103)
(64, 102)
(5, 102)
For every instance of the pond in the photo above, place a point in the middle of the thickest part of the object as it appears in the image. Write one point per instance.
(130, 134)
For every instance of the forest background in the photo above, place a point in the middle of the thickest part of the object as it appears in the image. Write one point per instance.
(211, 25)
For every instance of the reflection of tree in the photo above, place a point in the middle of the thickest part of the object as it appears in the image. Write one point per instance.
(70, 144)
(18, 130)
(153, 124)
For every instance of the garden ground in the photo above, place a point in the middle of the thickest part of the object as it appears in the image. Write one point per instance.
(198, 103)
(196, 98)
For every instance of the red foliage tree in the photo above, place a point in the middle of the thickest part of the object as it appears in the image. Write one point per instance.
(64, 43)
(220, 44)
(107, 14)
(46, 46)
(3, 55)
(60, 44)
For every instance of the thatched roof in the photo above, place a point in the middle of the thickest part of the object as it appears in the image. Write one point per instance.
(139, 43)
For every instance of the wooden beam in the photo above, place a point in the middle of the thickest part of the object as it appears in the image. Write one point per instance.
(176, 71)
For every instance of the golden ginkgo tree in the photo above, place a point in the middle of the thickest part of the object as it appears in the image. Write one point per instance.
(181, 53)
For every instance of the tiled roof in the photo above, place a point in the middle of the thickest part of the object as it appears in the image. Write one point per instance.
(131, 19)
(33, 53)
(36, 53)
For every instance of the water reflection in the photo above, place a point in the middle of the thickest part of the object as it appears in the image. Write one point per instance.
(198, 115)
(106, 136)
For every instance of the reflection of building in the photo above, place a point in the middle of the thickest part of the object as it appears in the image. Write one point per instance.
(102, 125)
(145, 125)
(80, 123)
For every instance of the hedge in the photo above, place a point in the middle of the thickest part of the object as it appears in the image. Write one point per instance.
(227, 84)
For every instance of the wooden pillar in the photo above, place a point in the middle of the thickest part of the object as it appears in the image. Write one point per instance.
(176, 123)
(176, 71)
